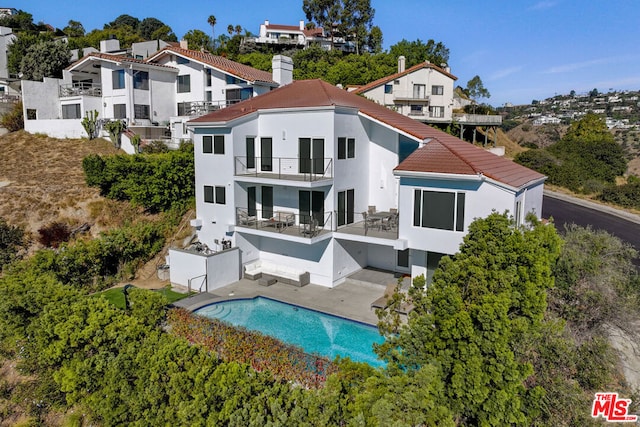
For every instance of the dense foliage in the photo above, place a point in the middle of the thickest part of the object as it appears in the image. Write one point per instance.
(13, 120)
(11, 241)
(154, 181)
(45, 59)
(587, 152)
(627, 195)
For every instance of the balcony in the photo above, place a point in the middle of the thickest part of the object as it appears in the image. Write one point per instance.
(405, 95)
(478, 119)
(380, 225)
(80, 89)
(200, 108)
(284, 168)
(285, 223)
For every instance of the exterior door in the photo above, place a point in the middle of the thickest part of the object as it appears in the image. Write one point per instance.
(266, 154)
(251, 201)
(345, 207)
(251, 152)
(311, 205)
(267, 202)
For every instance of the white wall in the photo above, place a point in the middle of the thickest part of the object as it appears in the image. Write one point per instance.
(56, 128)
(223, 268)
(184, 265)
(42, 97)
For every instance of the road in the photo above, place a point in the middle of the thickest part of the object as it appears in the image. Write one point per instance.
(565, 212)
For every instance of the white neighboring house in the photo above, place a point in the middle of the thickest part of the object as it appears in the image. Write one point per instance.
(297, 36)
(155, 96)
(312, 183)
(423, 92)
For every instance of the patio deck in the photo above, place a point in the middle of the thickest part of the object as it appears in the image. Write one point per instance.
(351, 300)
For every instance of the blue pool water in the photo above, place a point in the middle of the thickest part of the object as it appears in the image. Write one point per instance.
(315, 332)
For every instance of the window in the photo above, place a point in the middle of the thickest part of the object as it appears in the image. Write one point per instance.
(346, 148)
(184, 83)
(215, 194)
(119, 111)
(437, 90)
(141, 80)
(419, 91)
(208, 74)
(437, 112)
(388, 88)
(232, 80)
(118, 79)
(71, 111)
(141, 111)
(184, 108)
(31, 114)
(207, 144)
(218, 144)
(402, 258)
(237, 95)
(416, 109)
(346, 207)
(251, 152)
(181, 60)
(267, 202)
(438, 209)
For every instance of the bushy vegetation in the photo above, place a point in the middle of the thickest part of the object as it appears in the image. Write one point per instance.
(53, 234)
(11, 241)
(13, 120)
(626, 195)
(586, 153)
(155, 181)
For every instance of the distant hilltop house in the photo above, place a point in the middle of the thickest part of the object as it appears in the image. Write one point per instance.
(7, 11)
(547, 120)
(313, 183)
(425, 92)
(155, 96)
(297, 36)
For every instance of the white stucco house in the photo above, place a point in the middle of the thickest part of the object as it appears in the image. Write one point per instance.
(297, 36)
(313, 183)
(155, 96)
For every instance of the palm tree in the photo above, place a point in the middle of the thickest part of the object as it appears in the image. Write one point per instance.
(230, 29)
(238, 29)
(212, 21)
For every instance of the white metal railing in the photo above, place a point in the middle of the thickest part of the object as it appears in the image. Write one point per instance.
(289, 168)
(478, 119)
(285, 222)
(204, 282)
(82, 88)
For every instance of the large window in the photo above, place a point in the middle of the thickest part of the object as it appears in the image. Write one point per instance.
(141, 80)
(439, 209)
(437, 112)
(207, 144)
(118, 79)
(232, 80)
(71, 111)
(184, 83)
(215, 194)
(213, 144)
(346, 207)
(419, 91)
(346, 148)
(437, 90)
(119, 111)
(181, 60)
(388, 88)
(141, 111)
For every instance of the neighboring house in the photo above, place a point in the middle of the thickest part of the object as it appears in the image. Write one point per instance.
(155, 96)
(312, 183)
(292, 36)
(547, 120)
(423, 92)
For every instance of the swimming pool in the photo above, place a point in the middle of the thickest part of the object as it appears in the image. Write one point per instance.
(314, 331)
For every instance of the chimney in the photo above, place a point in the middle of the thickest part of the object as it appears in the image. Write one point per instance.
(111, 45)
(401, 63)
(184, 44)
(301, 25)
(266, 22)
(282, 69)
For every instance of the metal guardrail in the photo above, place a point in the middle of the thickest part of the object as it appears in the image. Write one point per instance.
(289, 168)
(478, 119)
(285, 222)
(77, 89)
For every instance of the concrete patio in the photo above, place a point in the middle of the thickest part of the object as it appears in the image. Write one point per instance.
(351, 300)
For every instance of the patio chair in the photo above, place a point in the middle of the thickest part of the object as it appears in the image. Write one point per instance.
(384, 301)
(245, 219)
(371, 209)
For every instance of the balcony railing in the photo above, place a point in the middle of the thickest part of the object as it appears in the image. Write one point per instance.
(200, 108)
(78, 89)
(285, 222)
(404, 95)
(382, 225)
(286, 168)
(478, 119)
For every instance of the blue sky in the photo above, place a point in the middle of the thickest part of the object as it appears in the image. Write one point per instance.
(522, 50)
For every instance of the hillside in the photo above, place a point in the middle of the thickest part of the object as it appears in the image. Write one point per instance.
(41, 181)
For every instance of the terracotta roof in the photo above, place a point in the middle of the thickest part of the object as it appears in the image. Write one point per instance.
(409, 70)
(242, 71)
(443, 153)
(115, 58)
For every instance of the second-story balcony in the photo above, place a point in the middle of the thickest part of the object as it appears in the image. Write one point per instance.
(284, 168)
(80, 89)
(410, 95)
(478, 119)
(200, 108)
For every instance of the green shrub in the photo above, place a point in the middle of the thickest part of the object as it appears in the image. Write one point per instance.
(626, 195)
(11, 240)
(14, 119)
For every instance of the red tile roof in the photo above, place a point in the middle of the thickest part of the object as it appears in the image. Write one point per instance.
(409, 70)
(242, 71)
(443, 153)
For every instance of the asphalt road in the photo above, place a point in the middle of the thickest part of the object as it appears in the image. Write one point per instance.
(565, 212)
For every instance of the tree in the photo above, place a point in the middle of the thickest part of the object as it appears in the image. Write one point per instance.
(45, 59)
(164, 33)
(74, 29)
(11, 240)
(469, 322)
(124, 20)
(211, 20)
(21, 21)
(374, 41)
(476, 90)
(417, 51)
(149, 26)
(197, 39)
(230, 29)
(238, 29)
(594, 93)
(18, 49)
(324, 13)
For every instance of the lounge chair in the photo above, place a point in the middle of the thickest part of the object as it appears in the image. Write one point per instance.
(384, 301)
